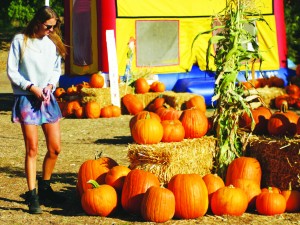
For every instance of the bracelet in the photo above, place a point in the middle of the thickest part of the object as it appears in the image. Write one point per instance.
(29, 87)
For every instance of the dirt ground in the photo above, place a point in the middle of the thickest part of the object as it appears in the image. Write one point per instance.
(82, 139)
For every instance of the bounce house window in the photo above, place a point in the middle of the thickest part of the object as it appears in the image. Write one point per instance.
(82, 40)
(157, 43)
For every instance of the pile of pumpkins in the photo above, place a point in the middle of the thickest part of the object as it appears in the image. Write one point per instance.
(162, 123)
(104, 188)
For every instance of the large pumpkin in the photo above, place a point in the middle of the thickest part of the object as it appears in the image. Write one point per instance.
(213, 182)
(135, 186)
(173, 131)
(158, 205)
(132, 104)
(191, 196)
(147, 131)
(195, 123)
(244, 168)
(229, 200)
(283, 122)
(270, 203)
(142, 115)
(93, 169)
(101, 200)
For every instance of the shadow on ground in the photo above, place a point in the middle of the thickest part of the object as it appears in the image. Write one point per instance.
(6, 101)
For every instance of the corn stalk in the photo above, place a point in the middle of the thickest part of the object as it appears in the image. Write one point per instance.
(230, 56)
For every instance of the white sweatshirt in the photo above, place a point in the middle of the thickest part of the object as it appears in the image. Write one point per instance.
(40, 64)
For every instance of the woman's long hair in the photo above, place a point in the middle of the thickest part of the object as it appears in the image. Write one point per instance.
(42, 15)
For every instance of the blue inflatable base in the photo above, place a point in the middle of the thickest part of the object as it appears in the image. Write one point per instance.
(195, 81)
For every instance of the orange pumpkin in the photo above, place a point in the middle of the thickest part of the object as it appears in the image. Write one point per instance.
(79, 112)
(191, 196)
(283, 122)
(213, 182)
(96, 80)
(173, 131)
(196, 101)
(157, 86)
(142, 115)
(92, 110)
(106, 112)
(59, 92)
(292, 89)
(141, 86)
(270, 203)
(101, 200)
(115, 177)
(292, 198)
(72, 90)
(135, 186)
(132, 104)
(71, 107)
(116, 111)
(229, 200)
(93, 169)
(244, 168)
(158, 205)
(147, 131)
(195, 123)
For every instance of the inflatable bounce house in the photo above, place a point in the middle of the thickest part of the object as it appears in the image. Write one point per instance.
(163, 32)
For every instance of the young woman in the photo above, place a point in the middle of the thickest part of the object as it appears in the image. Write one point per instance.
(34, 68)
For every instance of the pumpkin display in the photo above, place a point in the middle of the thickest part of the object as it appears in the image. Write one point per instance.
(292, 198)
(261, 116)
(132, 104)
(213, 182)
(115, 177)
(168, 113)
(196, 101)
(110, 111)
(82, 85)
(191, 196)
(101, 200)
(157, 86)
(71, 107)
(147, 131)
(72, 90)
(96, 80)
(292, 89)
(158, 205)
(283, 122)
(92, 110)
(141, 86)
(156, 104)
(229, 200)
(80, 112)
(173, 131)
(136, 184)
(244, 168)
(270, 203)
(251, 188)
(195, 123)
(93, 169)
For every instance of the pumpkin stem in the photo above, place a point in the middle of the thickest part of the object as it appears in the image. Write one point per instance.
(98, 155)
(284, 106)
(93, 183)
(270, 189)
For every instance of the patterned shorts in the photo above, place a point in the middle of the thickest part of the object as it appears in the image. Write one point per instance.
(27, 109)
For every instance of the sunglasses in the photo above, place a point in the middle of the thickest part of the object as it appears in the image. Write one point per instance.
(48, 27)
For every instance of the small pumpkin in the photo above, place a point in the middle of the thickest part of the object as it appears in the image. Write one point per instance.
(135, 186)
(158, 86)
(229, 200)
(195, 123)
(158, 205)
(115, 177)
(71, 107)
(72, 90)
(270, 203)
(141, 86)
(132, 104)
(101, 200)
(79, 112)
(213, 182)
(173, 131)
(59, 92)
(191, 196)
(96, 80)
(147, 131)
(92, 110)
(196, 101)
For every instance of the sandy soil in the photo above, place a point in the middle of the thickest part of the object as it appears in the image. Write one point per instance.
(82, 139)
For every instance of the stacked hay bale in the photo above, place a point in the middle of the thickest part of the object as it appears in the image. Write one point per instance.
(279, 159)
(167, 159)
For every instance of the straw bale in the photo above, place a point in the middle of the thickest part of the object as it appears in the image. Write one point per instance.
(168, 159)
(177, 100)
(279, 159)
(147, 98)
(268, 94)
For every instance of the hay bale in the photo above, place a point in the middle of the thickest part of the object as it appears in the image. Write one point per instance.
(279, 159)
(168, 159)
(177, 100)
(268, 94)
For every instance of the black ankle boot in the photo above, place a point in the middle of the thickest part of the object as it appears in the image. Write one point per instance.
(32, 200)
(46, 192)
